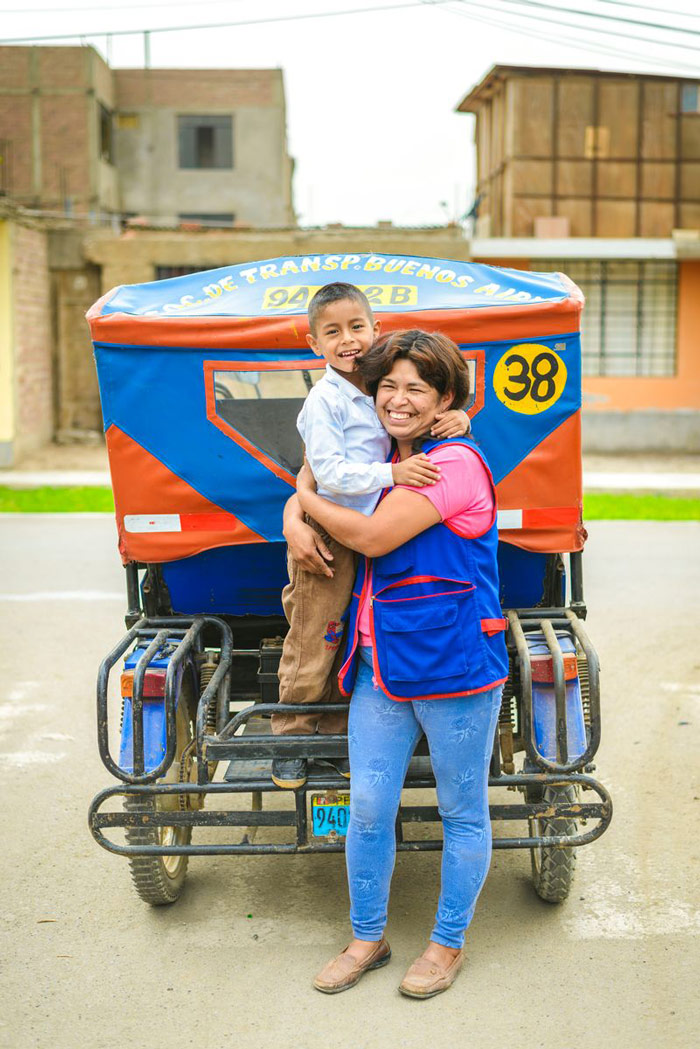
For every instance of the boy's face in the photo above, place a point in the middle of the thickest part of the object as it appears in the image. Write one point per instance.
(344, 332)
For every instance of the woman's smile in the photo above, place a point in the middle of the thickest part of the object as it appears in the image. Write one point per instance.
(406, 404)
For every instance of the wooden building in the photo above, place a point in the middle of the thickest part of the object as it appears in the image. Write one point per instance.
(585, 153)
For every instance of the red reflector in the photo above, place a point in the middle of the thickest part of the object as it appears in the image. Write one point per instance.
(543, 668)
(153, 685)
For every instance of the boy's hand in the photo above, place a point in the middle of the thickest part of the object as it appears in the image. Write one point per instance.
(455, 423)
(417, 471)
(307, 548)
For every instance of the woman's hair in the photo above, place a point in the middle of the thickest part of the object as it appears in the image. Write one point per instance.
(436, 358)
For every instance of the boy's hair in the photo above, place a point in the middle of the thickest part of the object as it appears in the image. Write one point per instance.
(436, 358)
(336, 292)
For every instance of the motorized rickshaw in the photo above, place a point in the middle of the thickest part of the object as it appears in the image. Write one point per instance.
(201, 379)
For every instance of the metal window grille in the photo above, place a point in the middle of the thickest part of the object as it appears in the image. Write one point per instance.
(629, 322)
(213, 219)
(205, 141)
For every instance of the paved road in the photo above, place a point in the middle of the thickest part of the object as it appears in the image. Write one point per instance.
(87, 964)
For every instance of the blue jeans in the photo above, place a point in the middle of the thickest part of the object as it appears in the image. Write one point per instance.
(382, 735)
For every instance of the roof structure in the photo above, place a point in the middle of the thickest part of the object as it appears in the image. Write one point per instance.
(482, 91)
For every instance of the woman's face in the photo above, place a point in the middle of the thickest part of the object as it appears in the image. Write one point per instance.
(406, 404)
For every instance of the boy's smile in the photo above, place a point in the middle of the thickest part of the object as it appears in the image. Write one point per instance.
(344, 332)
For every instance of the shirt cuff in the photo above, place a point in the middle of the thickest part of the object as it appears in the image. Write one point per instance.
(385, 475)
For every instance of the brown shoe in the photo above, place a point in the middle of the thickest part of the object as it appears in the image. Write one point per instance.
(427, 978)
(345, 970)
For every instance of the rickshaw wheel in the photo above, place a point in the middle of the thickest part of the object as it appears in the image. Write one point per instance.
(553, 868)
(159, 880)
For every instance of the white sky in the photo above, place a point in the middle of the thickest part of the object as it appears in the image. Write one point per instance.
(371, 96)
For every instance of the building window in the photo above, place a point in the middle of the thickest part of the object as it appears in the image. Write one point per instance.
(214, 219)
(689, 98)
(629, 320)
(205, 142)
(106, 137)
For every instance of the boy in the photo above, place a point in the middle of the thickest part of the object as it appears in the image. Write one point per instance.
(346, 448)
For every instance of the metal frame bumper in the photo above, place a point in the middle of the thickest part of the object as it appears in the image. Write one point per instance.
(297, 818)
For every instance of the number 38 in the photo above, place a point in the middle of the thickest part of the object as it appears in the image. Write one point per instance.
(529, 378)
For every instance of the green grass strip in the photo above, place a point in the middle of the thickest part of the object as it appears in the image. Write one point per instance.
(82, 499)
(597, 506)
(610, 506)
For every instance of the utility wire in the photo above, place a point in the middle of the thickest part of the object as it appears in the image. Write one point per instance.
(217, 3)
(110, 7)
(575, 42)
(607, 18)
(224, 25)
(332, 14)
(576, 25)
(645, 7)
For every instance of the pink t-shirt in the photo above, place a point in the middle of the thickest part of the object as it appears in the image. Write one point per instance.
(462, 497)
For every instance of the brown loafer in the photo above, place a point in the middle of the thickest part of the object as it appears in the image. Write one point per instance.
(427, 978)
(345, 970)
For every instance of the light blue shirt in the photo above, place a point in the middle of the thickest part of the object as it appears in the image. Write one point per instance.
(346, 445)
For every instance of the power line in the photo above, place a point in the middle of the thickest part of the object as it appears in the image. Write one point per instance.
(109, 7)
(576, 43)
(217, 3)
(608, 18)
(224, 25)
(645, 7)
(212, 3)
(583, 29)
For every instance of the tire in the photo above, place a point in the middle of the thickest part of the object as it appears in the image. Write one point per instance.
(159, 880)
(553, 868)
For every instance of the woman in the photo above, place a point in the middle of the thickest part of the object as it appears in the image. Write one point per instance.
(425, 653)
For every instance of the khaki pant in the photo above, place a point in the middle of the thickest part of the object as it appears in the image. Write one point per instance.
(313, 651)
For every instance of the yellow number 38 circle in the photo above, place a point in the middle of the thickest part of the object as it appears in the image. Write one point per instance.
(529, 378)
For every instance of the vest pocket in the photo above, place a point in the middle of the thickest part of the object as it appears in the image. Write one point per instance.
(424, 640)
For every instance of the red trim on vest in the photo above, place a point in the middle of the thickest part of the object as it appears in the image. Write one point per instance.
(494, 626)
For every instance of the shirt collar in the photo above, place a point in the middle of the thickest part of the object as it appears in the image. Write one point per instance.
(348, 389)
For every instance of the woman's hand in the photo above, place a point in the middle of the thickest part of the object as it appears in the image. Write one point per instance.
(454, 423)
(417, 471)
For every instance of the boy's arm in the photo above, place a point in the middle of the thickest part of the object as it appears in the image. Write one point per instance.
(398, 518)
(324, 438)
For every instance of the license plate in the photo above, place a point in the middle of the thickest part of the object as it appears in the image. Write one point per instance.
(330, 814)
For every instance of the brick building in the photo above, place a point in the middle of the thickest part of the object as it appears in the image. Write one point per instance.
(26, 343)
(172, 146)
(604, 154)
(597, 174)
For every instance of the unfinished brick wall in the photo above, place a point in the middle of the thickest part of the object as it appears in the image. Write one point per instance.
(49, 137)
(218, 88)
(65, 157)
(33, 340)
(16, 146)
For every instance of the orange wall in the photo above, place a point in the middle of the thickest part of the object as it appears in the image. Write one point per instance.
(682, 390)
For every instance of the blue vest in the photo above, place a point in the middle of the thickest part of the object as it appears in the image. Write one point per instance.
(435, 614)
